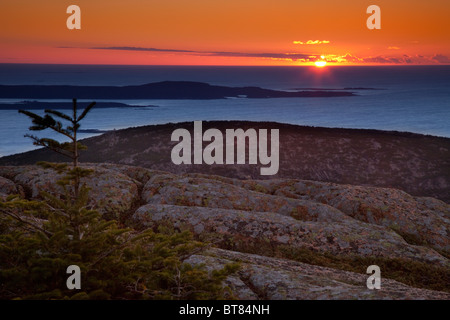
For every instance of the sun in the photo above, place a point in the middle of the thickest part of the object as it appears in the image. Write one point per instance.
(320, 64)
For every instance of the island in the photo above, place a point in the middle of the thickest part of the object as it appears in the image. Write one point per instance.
(157, 90)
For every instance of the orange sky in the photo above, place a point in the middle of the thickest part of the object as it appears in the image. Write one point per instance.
(225, 32)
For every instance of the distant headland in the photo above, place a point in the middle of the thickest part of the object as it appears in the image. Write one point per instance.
(156, 90)
(415, 163)
(64, 105)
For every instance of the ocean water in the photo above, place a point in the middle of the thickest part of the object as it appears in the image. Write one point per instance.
(407, 98)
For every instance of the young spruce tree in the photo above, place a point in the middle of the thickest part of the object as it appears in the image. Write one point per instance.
(40, 239)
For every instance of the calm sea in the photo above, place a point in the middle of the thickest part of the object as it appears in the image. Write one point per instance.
(402, 98)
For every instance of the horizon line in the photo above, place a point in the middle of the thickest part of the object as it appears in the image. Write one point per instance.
(237, 65)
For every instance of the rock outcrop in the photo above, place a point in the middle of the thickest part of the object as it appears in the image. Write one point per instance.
(263, 277)
(112, 193)
(295, 239)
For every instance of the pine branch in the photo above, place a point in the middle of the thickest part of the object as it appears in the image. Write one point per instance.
(59, 114)
(49, 144)
(59, 128)
(31, 115)
(42, 123)
(108, 252)
(85, 111)
(19, 218)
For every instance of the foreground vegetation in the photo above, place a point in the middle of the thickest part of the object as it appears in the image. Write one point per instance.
(40, 239)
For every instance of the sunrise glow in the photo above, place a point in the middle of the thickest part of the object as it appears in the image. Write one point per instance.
(180, 32)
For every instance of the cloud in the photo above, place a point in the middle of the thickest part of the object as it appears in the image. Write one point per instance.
(312, 42)
(350, 58)
(268, 55)
(441, 58)
(140, 49)
(385, 60)
(298, 57)
(407, 59)
(393, 48)
(290, 56)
